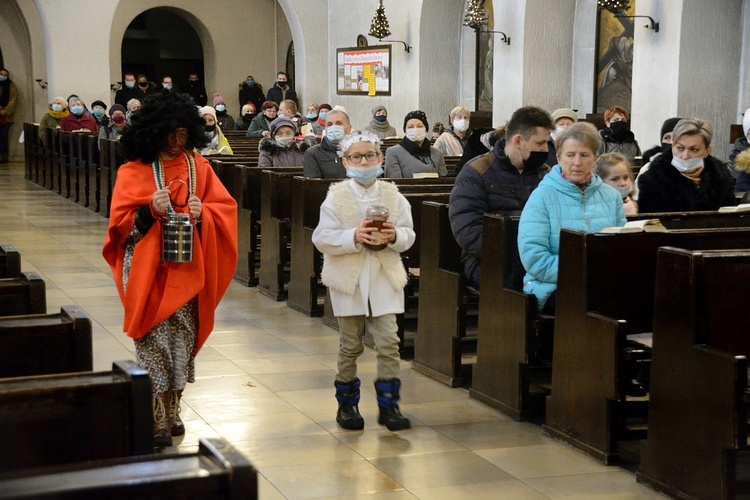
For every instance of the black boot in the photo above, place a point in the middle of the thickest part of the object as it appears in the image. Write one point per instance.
(388, 396)
(347, 394)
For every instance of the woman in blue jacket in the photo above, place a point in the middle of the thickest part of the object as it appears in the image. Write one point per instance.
(571, 196)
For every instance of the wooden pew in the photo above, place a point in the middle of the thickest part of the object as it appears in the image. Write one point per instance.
(10, 261)
(215, 471)
(514, 342)
(28, 149)
(275, 219)
(111, 158)
(63, 147)
(444, 301)
(42, 344)
(605, 292)
(25, 294)
(58, 419)
(697, 443)
(93, 181)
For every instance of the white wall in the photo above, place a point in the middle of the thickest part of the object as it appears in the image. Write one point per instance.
(584, 57)
(744, 94)
(508, 84)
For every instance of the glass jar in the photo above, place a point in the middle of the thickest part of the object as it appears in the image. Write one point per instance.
(377, 215)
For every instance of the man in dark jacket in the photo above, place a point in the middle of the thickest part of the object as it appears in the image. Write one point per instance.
(281, 90)
(252, 92)
(322, 160)
(128, 90)
(498, 182)
(196, 90)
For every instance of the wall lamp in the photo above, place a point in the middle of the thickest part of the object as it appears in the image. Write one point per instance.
(379, 27)
(505, 38)
(39, 81)
(476, 18)
(654, 25)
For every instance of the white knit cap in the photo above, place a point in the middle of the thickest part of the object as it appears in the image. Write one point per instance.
(350, 139)
(746, 122)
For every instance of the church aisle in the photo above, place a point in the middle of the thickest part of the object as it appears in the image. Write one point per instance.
(265, 383)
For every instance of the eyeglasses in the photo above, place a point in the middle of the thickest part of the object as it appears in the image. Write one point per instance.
(356, 157)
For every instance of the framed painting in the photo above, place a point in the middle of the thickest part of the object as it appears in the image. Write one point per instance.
(614, 60)
(363, 70)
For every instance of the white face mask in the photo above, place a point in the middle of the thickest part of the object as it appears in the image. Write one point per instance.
(416, 134)
(687, 166)
(624, 190)
(461, 125)
(284, 141)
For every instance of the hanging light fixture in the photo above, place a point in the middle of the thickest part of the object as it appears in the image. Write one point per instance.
(475, 16)
(614, 6)
(379, 27)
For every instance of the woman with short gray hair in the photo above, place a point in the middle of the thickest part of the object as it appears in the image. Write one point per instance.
(686, 178)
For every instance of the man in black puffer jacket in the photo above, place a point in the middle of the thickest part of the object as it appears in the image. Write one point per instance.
(498, 182)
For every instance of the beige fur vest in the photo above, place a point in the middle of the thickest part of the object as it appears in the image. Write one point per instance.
(342, 272)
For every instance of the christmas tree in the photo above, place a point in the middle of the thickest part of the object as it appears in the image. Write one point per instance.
(379, 26)
(475, 15)
(614, 6)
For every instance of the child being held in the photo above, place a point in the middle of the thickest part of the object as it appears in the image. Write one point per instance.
(366, 286)
(614, 169)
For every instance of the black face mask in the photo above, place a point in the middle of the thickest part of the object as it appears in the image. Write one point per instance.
(619, 129)
(143, 85)
(192, 83)
(535, 160)
(210, 128)
(281, 84)
(248, 117)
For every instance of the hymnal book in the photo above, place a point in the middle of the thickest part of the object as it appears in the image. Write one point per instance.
(638, 226)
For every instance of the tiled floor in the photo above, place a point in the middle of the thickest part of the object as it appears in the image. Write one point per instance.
(265, 382)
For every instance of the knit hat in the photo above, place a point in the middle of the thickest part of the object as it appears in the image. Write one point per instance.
(564, 113)
(419, 115)
(208, 110)
(61, 98)
(341, 108)
(248, 108)
(746, 122)
(98, 103)
(668, 126)
(117, 107)
(218, 99)
(325, 106)
(282, 121)
(379, 108)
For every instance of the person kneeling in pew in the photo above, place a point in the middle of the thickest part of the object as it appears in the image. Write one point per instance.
(363, 271)
(571, 196)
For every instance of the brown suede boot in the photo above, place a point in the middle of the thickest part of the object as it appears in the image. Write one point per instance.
(177, 428)
(162, 436)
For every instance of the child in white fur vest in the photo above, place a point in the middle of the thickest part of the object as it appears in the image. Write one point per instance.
(366, 286)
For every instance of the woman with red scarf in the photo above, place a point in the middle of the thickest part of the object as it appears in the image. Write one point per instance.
(169, 306)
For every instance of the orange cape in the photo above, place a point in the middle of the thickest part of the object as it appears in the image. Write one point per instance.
(156, 289)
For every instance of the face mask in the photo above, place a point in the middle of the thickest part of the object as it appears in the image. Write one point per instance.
(192, 83)
(312, 116)
(322, 115)
(535, 160)
(221, 108)
(3, 78)
(167, 86)
(624, 190)
(98, 112)
(618, 128)
(416, 134)
(130, 85)
(77, 110)
(250, 83)
(335, 133)
(284, 141)
(210, 128)
(57, 108)
(461, 125)
(248, 117)
(118, 119)
(381, 118)
(143, 85)
(281, 84)
(687, 166)
(364, 175)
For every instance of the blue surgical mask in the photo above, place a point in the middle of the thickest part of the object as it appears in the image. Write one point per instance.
(167, 86)
(3, 78)
(220, 108)
(98, 112)
(312, 116)
(57, 108)
(335, 133)
(130, 85)
(77, 110)
(284, 141)
(364, 175)
(322, 115)
(250, 83)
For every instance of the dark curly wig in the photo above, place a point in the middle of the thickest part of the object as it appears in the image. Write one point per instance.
(160, 115)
